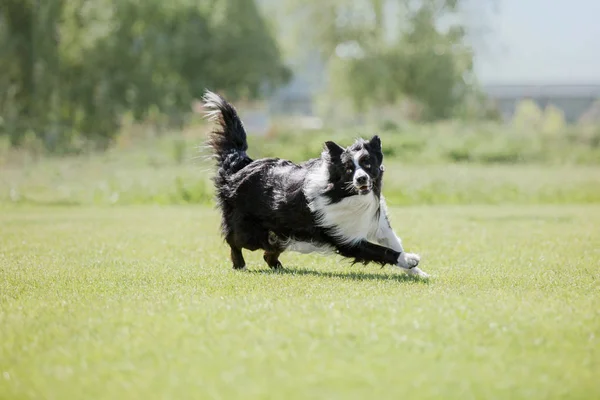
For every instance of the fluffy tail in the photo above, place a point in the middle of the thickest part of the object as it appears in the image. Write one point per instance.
(228, 140)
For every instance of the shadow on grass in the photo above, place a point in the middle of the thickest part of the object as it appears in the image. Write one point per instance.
(354, 275)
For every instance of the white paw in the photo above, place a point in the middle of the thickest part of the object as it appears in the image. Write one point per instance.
(408, 260)
(417, 272)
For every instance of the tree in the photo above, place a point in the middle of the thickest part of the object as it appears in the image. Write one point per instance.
(71, 68)
(373, 58)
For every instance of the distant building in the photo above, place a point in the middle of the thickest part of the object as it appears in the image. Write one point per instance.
(573, 100)
(297, 97)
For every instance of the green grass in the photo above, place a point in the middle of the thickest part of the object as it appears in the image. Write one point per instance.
(140, 302)
(149, 176)
(445, 163)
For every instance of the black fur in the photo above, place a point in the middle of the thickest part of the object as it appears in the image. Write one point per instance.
(263, 202)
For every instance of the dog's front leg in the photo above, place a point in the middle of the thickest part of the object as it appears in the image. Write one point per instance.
(387, 237)
(366, 252)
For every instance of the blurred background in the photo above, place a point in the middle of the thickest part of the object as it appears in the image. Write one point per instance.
(476, 101)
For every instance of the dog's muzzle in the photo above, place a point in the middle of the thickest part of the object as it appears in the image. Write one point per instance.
(362, 183)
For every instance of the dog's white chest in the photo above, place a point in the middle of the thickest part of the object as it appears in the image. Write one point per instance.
(352, 219)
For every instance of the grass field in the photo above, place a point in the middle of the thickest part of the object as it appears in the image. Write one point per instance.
(122, 179)
(140, 302)
(441, 164)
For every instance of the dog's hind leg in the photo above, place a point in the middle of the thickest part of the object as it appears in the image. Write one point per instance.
(272, 251)
(272, 259)
(237, 258)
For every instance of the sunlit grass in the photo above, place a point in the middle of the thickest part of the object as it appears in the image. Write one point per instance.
(141, 302)
(107, 180)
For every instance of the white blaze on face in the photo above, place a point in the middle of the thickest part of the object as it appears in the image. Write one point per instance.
(359, 172)
(357, 158)
(352, 219)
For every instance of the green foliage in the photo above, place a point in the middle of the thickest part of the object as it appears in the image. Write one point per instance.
(70, 69)
(141, 303)
(374, 63)
(450, 141)
(554, 122)
(528, 116)
(530, 119)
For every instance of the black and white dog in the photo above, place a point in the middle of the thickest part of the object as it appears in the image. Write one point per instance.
(331, 204)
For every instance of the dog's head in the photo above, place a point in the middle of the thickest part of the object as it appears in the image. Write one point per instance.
(356, 170)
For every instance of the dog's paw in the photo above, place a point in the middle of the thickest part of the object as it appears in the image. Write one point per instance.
(417, 272)
(408, 260)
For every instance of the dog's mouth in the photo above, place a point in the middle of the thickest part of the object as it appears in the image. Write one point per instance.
(363, 189)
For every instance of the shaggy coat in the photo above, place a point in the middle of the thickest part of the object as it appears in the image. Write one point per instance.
(330, 204)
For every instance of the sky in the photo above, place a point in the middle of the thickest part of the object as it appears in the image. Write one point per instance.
(540, 41)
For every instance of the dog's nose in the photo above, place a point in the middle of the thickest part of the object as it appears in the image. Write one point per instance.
(361, 180)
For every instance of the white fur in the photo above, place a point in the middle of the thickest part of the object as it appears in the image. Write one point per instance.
(213, 104)
(416, 271)
(357, 156)
(354, 219)
(386, 236)
(316, 183)
(308, 247)
(358, 170)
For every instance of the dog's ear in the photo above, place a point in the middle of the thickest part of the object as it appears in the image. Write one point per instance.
(375, 143)
(334, 149)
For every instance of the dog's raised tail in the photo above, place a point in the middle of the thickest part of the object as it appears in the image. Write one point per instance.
(227, 140)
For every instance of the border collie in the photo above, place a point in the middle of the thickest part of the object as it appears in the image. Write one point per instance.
(330, 204)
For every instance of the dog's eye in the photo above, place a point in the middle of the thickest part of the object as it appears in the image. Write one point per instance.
(349, 170)
(367, 165)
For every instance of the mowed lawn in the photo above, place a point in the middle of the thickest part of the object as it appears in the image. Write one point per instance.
(141, 302)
